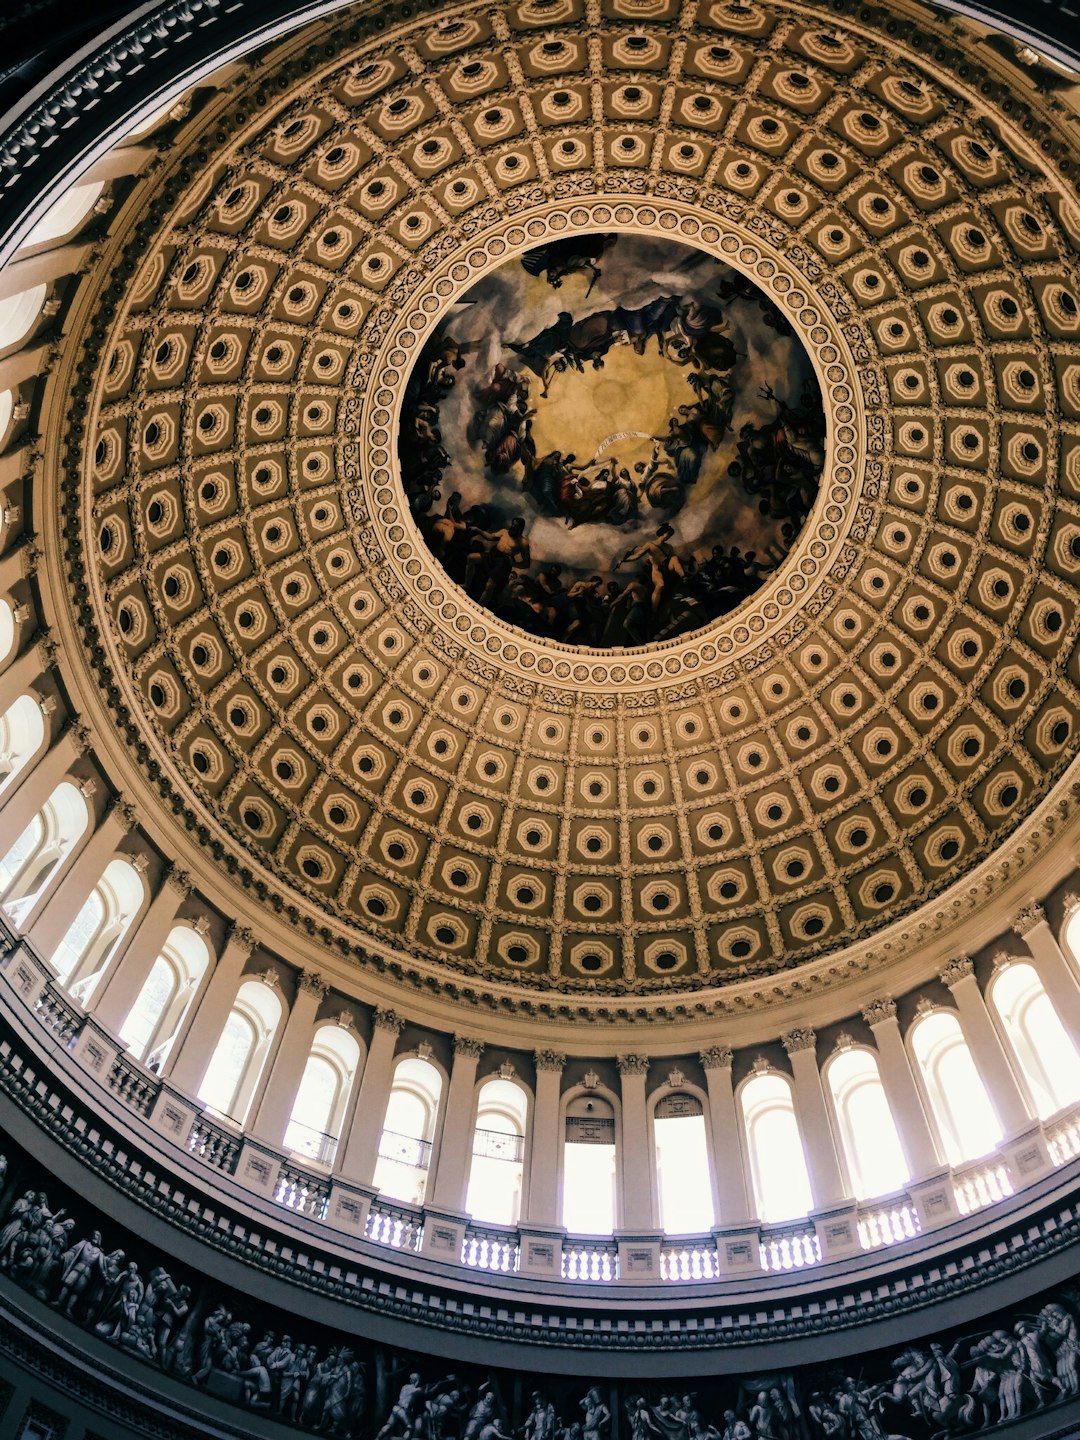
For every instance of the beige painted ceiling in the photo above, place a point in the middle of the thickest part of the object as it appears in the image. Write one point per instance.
(341, 726)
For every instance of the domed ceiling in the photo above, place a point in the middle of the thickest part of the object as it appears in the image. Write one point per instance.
(833, 295)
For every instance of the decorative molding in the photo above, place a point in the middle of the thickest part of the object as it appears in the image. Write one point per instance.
(676, 1079)
(760, 1065)
(388, 1020)
(310, 982)
(468, 1046)
(425, 1050)
(506, 1071)
(590, 1080)
(549, 1060)
(1027, 918)
(879, 1011)
(801, 1038)
(177, 879)
(962, 968)
(844, 1042)
(241, 936)
(632, 1064)
(926, 1005)
(270, 977)
(716, 1057)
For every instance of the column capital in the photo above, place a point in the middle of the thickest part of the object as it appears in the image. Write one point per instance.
(126, 814)
(241, 936)
(956, 970)
(1027, 918)
(311, 982)
(716, 1057)
(178, 880)
(466, 1045)
(632, 1064)
(880, 1010)
(549, 1060)
(388, 1020)
(802, 1038)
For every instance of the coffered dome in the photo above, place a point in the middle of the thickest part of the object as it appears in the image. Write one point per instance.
(381, 753)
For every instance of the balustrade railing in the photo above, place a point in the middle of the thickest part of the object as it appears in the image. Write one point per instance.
(397, 1226)
(888, 1222)
(689, 1259)
(592, 1260)
(134, 1086)
(789, 1247)
(307, 1194)
(488, 1249)
(981, 1184)
(783, 1247)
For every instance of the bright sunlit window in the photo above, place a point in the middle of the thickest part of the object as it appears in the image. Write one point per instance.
(83, 955)
(18, 313)
(588, 1192)
(22, 730)
(408, 1131)
(1047, 1056)
(872, 1149)
(682, 1165)
(498, 1153)
(318, 1110)
(777, 1164)
(29, 865)
(240, 1054)
(966, 1120)
(161, 1004)
(65, 214)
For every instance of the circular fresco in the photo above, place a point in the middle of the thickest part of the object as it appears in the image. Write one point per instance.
(612, 440)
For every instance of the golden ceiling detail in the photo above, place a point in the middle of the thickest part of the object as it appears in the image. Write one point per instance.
(343, 727)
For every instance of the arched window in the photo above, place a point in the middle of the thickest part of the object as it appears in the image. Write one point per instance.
(319, 1108)
(27, 866)
(683, 1183)
(1047, 1056)
(408, 1131)
(160, 1006)
(7, 614)
(965, 1117)
(871, 1145)
(589, 1160)
(241, 1051)
(22, 732)
(83, 955)
(7, 409)
(65, 214)
(498, 1153)
(17, 315)
(774, 1145)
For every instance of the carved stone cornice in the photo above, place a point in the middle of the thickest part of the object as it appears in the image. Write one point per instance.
(1027, 918)
(801, 1038)
(632, 1064)
(388, 1020)
(716, 1057)
(956, 970)
(468, 1046)
(549, 1060)
(311, 982)
(880, 1010)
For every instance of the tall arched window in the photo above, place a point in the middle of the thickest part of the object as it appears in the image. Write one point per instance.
(240, 1054)
(498, 1153)
(22, 732)
(589, 1159)
(26, 867)
(17, 315)
(871, 1145)
(319, 1107)
(7, 614)
(774, 1146)
(1047, 1056)
(409, 1131)
(966, 1120)
(65, 214)
(83, 955)
(683, 1183)
(160, 1006)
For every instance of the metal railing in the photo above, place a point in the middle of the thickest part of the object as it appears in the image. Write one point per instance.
(498, 1145)
(314, 1145)
(405, 1150)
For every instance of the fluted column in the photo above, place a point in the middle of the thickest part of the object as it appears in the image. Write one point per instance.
(455, 1149)
(730, 1193)
(542, 1202)
(822, 1163)
(52, 921)
(901, 1091)
(986, 1048)
(1058, 977)
(284, 1075)
(142, 946)
(19, 805)
(635, 1161)
(362, 1144)
(200, 1031)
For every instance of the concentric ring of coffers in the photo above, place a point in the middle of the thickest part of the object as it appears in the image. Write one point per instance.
(672, 828)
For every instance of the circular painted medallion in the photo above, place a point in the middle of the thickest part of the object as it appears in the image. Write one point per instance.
(611, 440)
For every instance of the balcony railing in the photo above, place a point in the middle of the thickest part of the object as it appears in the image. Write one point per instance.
(787, 1247)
